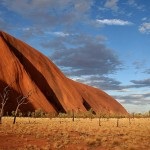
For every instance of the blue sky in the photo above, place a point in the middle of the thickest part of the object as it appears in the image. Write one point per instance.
(103, 43)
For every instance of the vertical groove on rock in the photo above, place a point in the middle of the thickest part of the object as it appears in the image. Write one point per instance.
(86, 105)
(38, 79)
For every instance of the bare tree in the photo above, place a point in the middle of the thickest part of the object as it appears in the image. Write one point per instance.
(21, 100)
(73, 116)
(4, 98)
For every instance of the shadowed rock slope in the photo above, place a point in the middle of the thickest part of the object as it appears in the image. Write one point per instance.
(28, 69)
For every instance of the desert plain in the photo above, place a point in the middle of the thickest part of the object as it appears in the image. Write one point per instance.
(80, 134)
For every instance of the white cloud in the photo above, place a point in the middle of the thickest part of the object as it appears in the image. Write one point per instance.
(131, 2)
(144, 19)
(112, 4)
(26, 29)
(118, 22)
(134, 4)
(145, 28)
(61, 34)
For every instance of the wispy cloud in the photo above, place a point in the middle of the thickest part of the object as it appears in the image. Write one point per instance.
(147, 71)
(111, 4)
(50, 13)
(102, 82)
(139, 64)
(145, 82)
(118, 22)
(134, 4)
(144, 19)
(61, 34)
(4, 25)
(145, 28)
(137, 99)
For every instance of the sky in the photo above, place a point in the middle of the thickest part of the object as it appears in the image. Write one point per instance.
(102, 43)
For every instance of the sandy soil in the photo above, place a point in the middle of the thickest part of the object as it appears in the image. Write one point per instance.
(82, 134)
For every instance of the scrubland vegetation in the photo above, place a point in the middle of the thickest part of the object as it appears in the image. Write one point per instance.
(92, 133)
(72, 130)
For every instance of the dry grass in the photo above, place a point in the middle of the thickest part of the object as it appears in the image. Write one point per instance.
(82, 134)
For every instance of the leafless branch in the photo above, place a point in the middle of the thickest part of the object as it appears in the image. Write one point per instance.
(22, 100)
(4, 98)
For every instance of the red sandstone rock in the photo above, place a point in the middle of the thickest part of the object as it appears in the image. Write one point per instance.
(52, 91)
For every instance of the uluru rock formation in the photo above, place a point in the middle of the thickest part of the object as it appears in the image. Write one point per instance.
(29, 70)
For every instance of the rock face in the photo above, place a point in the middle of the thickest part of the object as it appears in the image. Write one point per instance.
(29, 70)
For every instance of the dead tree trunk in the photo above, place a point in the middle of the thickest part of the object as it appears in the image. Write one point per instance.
(73, 115)
(15, 114)
(21, 100)
(1, 114)
(4, 97)
(99, 120)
